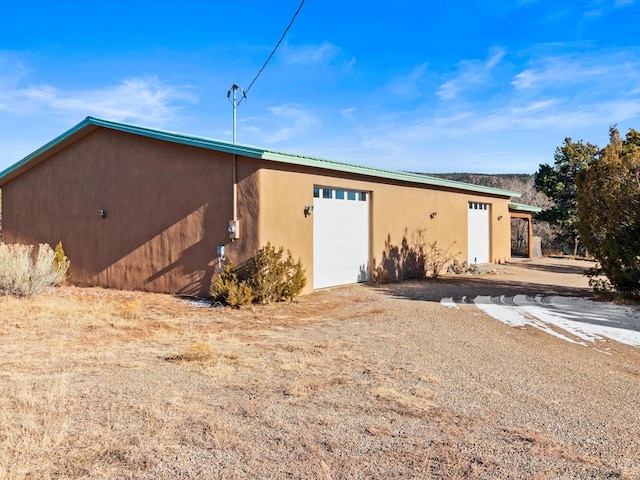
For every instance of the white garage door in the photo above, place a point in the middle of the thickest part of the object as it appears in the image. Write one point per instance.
(340, 237)
(479, 236)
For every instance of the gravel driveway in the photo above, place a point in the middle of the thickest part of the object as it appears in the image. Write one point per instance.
(360, 382)
(544, 406)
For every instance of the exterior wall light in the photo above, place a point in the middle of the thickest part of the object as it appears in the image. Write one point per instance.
(499, 217)
(433, 215)
(308, 210)
(102, 213)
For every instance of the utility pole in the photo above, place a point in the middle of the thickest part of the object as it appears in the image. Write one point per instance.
(235, 103)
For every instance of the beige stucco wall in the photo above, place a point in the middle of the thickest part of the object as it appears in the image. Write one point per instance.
(397, 211)
(168, 206)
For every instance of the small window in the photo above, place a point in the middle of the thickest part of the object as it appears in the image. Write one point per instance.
(351, 195)
(327, 193)
(363, 196)
(316, 192)
(339, 194)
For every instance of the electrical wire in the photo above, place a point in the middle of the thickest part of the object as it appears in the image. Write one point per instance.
(274, 49)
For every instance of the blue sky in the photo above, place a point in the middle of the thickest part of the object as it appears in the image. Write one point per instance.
(429, 86)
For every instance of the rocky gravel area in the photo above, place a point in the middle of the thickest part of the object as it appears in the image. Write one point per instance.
(348, 383)
(539, 406)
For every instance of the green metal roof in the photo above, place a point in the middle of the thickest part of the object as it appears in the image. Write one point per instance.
(247, 151)
(521, 207)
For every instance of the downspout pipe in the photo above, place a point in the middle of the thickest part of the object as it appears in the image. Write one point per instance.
(235, 187)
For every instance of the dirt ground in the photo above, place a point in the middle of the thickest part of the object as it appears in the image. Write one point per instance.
(348, 383)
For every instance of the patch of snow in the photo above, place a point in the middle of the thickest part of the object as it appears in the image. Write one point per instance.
(201, 302)
(500, 311)
(581, 318)
(448, 302)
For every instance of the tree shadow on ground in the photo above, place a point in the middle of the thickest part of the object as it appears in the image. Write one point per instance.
(561, 269)
(465, 286)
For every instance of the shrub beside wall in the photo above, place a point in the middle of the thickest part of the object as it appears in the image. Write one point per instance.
(270, 277)
(23, 273)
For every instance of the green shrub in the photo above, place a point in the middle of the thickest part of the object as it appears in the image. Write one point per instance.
(24, 274)
(230, 289)
(273, 278)
(269, 278)
(220, 289)
(60, 261)
(240, 294)
(295, 279)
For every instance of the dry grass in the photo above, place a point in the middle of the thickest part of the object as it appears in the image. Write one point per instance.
(349, 383)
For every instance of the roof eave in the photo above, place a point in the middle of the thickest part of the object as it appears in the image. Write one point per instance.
(192, 140)
(17, 168)
(387, 174)
(43, 152)
(521, 207)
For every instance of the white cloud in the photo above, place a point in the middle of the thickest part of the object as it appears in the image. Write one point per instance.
(558, 71)
(542, 115)
(449, 90)
(408, 84)
(471, 73)
(144, 100)
(310, 54)
(495, 59)
(284, 122)
(348, 113)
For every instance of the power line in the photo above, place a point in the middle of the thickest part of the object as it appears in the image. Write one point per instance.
(234, 88)
(275, 48)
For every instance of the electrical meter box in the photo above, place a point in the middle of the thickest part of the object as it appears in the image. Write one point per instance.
(234, 229)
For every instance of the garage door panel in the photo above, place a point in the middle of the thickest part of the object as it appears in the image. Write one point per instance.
(478, 232)
(340, 239)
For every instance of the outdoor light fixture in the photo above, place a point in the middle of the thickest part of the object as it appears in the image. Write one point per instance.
(102, 213)
(499, 217)
(433, 215)
(308, 210)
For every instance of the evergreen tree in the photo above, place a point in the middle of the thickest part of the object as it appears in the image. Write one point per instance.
(609, 206)
(558, 182)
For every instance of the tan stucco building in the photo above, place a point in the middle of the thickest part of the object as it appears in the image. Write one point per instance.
(138, 208)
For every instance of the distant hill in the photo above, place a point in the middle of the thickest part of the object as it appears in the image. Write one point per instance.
(519, 182)
(515, 182)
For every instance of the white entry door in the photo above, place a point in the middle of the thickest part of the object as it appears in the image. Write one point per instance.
(340, 237)
(479, 233)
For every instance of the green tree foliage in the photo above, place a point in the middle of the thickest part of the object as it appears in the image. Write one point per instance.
(609, 206)
(558, 182)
